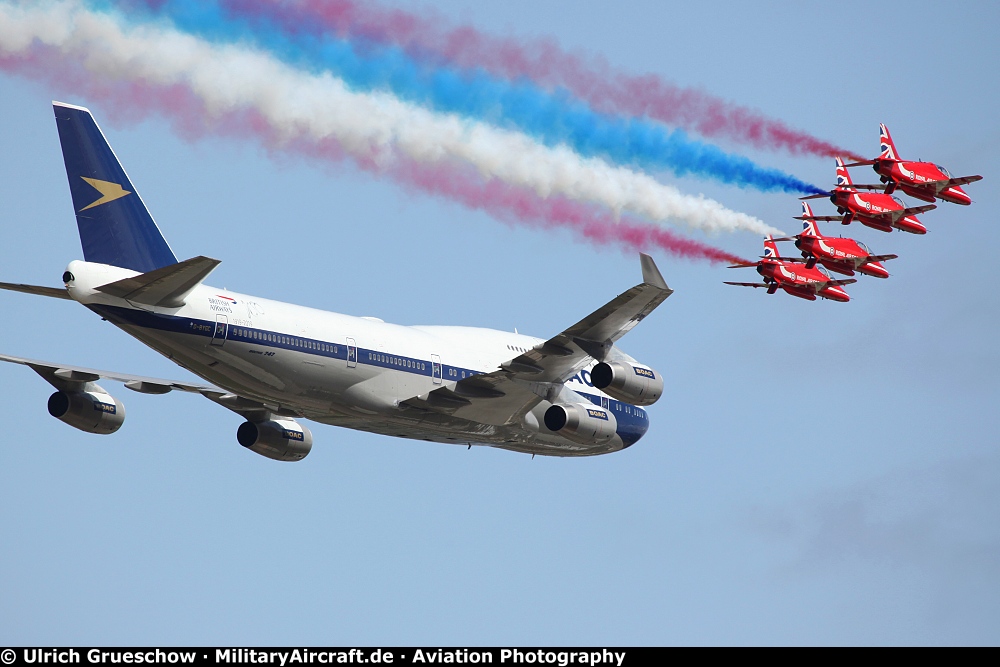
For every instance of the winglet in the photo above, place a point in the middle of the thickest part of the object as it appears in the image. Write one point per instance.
(650, 274)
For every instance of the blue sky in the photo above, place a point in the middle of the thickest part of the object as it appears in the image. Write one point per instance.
(815, 472)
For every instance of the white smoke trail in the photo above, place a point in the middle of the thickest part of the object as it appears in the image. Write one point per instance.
(370, 126)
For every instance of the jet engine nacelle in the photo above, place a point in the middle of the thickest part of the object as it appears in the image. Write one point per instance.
(584, 423)
(633, 384)
(278, 439)
(90, 411)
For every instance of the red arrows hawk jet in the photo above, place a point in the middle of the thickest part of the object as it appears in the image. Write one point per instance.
(841, 255)
(924, 180)
(790, 275)
(875, 209)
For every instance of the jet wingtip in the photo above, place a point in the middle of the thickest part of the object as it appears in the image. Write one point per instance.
(650, 273)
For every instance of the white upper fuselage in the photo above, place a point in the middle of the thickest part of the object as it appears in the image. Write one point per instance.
(343, 370)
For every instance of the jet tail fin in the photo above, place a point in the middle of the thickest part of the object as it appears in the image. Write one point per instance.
(809, 227)
(887, 148)
(115, 227)
(166, 286)
(843, 176)
(770, 247)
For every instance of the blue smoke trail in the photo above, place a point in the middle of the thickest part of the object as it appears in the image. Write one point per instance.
(553, 118)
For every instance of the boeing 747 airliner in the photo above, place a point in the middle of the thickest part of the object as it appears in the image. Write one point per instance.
(575, 394)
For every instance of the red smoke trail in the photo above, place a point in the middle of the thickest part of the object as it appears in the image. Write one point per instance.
(518, 205)
(589, 78)
(132, 101)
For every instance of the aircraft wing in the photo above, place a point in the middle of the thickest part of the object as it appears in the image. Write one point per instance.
(962, 180)
(821, 218)
(56, 292)
(868, 186)
(65, 377)
(838, 283)
(746, 284)
(881, 258)
(916, 209)
(513, 389)
(789, 260)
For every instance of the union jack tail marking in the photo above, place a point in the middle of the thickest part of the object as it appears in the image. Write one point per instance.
(887, 148)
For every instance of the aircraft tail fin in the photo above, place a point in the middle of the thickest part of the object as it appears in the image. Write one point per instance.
(886, 147)
(843, 176)
(770, 247)
(115, 227)
(809, 227)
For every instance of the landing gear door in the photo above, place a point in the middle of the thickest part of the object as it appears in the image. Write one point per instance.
(436, 368)
(352, 353)
(221, 330)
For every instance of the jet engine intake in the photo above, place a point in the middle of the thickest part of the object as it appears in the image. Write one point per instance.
(581, 422)
(633, 384)
(90, 411)
(278, 439)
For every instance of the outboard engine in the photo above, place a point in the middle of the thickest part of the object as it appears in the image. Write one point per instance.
(581, 422)
(637, 385)
(92, 411)
(278, 439)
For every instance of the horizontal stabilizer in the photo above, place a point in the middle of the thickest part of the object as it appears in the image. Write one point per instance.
(55, 292)
(790, 260)
(824, 195)
(862, 163)
(868, 186)
(746, 284)
(167, 286)
(821, 218)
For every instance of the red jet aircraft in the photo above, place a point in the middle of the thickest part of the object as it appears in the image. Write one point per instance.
(837, 254)
(791, 276)
(924, 180)
(876, 210)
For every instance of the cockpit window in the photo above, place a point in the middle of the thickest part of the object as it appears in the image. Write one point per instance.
(864, 247)
(823, 271)
(943, 170)
(899, 201)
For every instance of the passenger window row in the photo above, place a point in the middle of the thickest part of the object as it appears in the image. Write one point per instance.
(304, 343)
